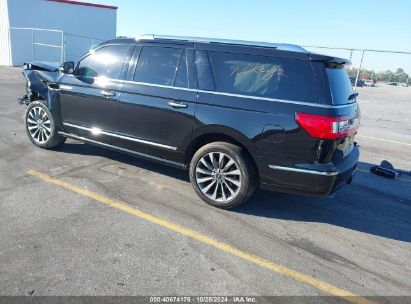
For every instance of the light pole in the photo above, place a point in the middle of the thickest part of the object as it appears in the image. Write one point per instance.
(359, 69)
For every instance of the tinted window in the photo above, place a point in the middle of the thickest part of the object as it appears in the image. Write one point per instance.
(271, 77)
(181, 75)
(158, 65)
(204, 73)
(340, 85)
(104, 62)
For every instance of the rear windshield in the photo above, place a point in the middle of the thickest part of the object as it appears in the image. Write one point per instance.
(340, 85)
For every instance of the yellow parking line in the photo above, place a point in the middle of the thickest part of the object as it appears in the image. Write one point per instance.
(386, 140)
(293, 274)
(399, 178)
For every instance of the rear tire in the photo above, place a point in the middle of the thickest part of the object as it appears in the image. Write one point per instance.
(41, 126)
(223, 175)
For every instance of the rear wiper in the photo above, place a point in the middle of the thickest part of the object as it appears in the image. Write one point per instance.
(353, 96)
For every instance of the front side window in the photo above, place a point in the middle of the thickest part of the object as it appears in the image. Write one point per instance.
(272, 77)
(162, 65)
(104, 62)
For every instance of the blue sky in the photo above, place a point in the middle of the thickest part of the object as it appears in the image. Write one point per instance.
(372, 24)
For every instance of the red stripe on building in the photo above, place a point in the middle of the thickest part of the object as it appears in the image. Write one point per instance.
(85, 4)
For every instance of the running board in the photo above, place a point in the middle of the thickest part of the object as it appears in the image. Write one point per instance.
(124, 150)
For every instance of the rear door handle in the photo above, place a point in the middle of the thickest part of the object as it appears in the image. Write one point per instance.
(175, 104)
(108, 94)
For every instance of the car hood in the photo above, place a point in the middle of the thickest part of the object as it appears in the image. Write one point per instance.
(42, 66)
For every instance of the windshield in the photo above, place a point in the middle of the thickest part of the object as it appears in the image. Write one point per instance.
(340, 85)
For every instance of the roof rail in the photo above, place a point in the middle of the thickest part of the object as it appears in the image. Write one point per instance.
(279, 46)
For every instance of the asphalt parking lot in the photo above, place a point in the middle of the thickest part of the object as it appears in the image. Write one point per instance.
(86, 221)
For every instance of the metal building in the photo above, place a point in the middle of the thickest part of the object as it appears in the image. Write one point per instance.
(52, 30)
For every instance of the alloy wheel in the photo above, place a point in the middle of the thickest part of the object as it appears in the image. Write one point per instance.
(39, 125)
(218, 176)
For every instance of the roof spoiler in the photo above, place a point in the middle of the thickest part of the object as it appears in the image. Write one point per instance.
(329, 60)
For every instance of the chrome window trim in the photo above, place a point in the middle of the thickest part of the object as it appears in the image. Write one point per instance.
(324, 173)
(318, 105)
(143, 155)
(98, 131)
(66, 87)
(159, 85)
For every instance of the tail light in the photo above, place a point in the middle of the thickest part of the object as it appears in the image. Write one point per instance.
(325, 127)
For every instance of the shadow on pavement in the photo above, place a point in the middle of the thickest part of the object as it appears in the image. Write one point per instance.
(86, 149)
(371, 204)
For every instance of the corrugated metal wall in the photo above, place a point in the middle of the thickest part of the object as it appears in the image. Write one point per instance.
(74, 20)
(5, 58)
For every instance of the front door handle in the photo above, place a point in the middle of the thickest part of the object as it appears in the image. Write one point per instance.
(108, 94)
(53, 86)
(175, 104)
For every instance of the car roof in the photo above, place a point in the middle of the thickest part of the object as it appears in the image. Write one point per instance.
(279, 46)
(292, 50)
(184, 39)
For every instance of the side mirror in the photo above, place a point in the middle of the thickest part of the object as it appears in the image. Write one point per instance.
(67, 67)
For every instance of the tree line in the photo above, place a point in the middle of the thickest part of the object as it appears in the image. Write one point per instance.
(386, 76)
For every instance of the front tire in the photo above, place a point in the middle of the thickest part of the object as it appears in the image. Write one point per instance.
(223, 175)
(41, 126)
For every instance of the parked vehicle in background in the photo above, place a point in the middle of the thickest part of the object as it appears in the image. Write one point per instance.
(404, 84)
(395, 84)
(238, 115)
(352, 80)
(369, 82)
(360, 82)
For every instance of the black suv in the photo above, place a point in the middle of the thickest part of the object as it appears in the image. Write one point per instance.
(238, 115)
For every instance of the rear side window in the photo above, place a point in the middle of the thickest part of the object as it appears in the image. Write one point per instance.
(340, 85)
(271, 77)
(162, 65)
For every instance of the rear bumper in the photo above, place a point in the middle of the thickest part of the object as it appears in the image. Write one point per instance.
(311, 179)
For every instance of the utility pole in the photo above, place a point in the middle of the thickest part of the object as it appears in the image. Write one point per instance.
(359, 69)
